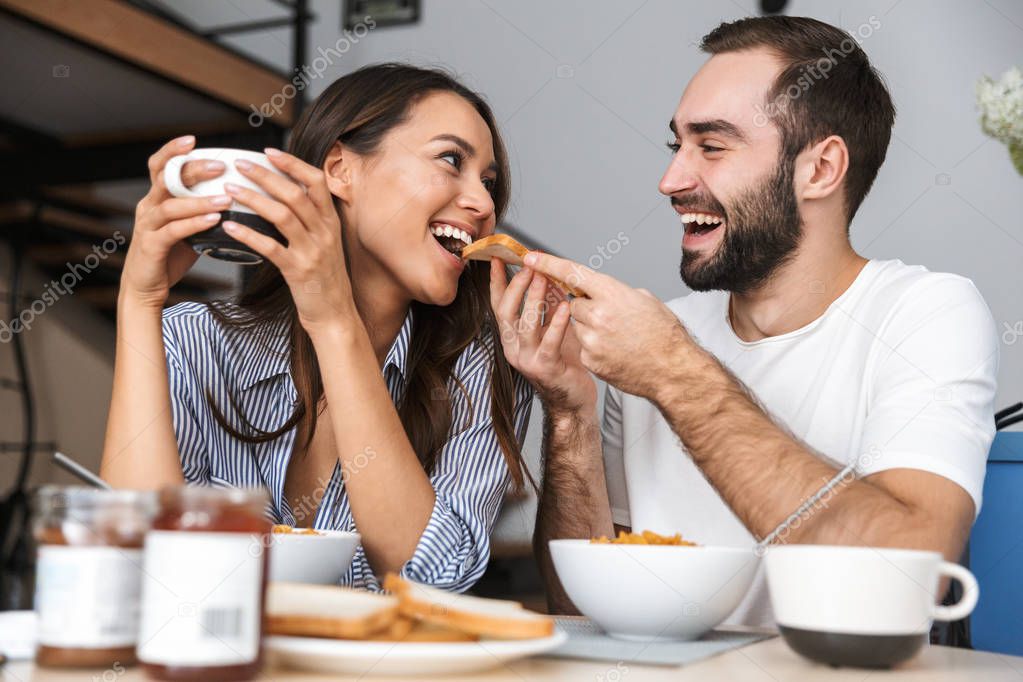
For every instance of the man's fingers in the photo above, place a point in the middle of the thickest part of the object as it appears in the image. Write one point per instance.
(508, 309)
(571, 273)
(582, 310)
(554, 335)
(498, 282)
(532, 311)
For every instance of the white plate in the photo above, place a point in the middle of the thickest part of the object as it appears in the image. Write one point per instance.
(353, 657)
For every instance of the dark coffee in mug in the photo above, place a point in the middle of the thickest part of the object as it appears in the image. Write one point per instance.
(215, 242)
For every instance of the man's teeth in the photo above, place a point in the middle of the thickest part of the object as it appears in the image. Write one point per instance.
(448, 231)
(700, 219)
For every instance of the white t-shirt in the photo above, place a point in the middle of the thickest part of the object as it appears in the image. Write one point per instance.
(899, 372)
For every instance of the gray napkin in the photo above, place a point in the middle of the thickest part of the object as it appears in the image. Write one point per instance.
(587, 641)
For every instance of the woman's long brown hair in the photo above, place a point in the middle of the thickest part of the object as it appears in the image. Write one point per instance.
(359, 110)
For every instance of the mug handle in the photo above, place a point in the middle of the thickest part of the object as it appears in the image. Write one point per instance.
(971, 592)
(172, 176)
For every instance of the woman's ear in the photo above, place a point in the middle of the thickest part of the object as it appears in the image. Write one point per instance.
(823, 168)
(339, 171)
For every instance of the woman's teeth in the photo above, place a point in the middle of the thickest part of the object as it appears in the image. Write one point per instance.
(451, 238)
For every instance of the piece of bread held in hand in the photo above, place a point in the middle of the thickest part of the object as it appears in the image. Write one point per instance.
(493, 618)
(303, 610)
(511, 252)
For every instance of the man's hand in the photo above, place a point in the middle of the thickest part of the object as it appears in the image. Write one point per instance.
(538, 339)
(627, 336)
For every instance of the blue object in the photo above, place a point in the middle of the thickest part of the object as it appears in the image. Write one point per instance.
(996, 550)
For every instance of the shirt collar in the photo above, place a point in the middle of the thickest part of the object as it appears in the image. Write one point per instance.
(265, 356)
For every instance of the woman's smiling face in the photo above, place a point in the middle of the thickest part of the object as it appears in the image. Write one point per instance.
(434, 173)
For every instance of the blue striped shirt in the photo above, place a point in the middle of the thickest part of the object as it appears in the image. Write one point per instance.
(470, 476)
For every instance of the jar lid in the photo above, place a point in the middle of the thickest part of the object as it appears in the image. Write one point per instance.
(53, 497)
(193, 495)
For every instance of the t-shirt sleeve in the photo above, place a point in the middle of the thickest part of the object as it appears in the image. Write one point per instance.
(614, 457)
(931, 403)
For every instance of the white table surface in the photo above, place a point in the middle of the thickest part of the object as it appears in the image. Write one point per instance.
(766, 661)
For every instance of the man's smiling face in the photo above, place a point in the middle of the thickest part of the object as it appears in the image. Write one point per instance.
(727, 180)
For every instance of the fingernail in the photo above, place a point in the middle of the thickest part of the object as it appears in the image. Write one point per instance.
(530, 259)
(272, 151)
(230, 226)
(243, 164)
(525, 272)
(210, 217)
(186, 140)
(231, 188)
(221, 200)
(214, 165)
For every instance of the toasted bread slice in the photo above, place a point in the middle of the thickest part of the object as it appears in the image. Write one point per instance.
(406, 629)
(511, 252)
(494, 618)
(327, 611)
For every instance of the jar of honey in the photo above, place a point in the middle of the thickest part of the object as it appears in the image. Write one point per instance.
(88, 574)
(204, 577)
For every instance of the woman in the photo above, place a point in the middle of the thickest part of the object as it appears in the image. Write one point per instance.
(359, 377)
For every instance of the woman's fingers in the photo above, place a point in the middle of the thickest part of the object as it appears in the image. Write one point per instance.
(312, 177)
(174, 208)
(159, 159)
(270, 209)
(176, 230)
(192, 173)
(283, 190)
(265, 246)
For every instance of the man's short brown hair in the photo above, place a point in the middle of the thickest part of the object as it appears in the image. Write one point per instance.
(826, 87)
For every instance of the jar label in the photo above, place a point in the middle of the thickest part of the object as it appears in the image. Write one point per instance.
(87, 597)
(201, 596)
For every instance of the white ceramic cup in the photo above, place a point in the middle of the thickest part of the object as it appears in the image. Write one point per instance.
(214, 242)
(861, 606)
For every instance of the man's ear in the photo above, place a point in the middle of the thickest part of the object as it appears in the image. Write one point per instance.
(821, 169)
(339, 170)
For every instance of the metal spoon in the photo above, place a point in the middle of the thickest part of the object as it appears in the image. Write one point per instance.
(78, 470)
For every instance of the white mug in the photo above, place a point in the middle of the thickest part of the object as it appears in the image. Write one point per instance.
(862, 606)
(215, 242)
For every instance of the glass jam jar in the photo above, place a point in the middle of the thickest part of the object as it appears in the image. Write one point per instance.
(88, 574)
(204, 578)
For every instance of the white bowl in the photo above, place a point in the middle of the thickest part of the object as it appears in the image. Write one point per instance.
(653, 592)
(322, 559)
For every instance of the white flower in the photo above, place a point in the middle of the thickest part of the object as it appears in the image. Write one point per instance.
(1001, 111)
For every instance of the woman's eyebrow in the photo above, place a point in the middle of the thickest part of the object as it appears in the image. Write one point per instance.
(464, 144)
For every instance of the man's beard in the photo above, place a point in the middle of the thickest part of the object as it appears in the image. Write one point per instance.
(762, 231)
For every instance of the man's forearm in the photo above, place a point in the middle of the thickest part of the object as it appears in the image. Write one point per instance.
(573, 502)
(764, 474)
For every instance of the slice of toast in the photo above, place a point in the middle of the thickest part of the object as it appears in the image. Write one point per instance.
(511, 252)
(406, 629)
(494, 618)
(327, 611)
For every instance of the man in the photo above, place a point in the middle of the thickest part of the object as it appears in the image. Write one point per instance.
(795, 357)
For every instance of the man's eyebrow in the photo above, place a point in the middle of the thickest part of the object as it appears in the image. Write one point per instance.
(716, 125)
(464, 144)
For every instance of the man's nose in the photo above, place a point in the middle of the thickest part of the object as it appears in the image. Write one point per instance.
(677, 178)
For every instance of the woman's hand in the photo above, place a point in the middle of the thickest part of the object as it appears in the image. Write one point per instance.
(538, 338)
(313, 262)
(157, 256)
